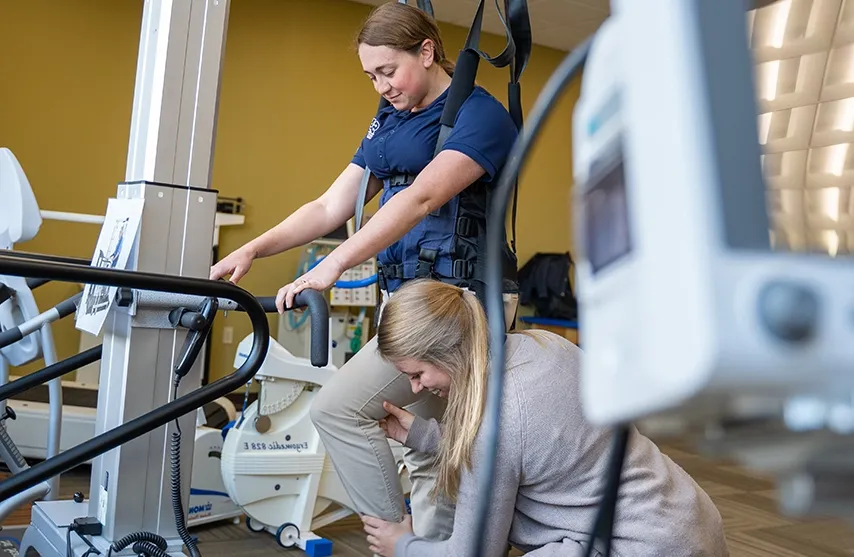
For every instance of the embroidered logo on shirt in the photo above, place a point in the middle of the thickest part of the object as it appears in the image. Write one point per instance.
(375, 125)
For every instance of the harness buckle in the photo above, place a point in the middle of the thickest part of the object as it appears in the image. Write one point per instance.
(426, 259)
(463, 269)
(400, 180)
(381, 281)
(465, 227)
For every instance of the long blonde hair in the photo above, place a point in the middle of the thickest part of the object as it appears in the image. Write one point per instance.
(445, 326)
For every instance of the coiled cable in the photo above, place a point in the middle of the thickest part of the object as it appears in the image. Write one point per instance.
(147, 548)
(155, 540)
(154, 545)
(177, 500)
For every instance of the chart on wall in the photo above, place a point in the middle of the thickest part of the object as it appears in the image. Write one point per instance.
(112, 251)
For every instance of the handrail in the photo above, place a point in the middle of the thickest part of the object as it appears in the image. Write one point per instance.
(34, 268)
(45, 257)
(50, 373)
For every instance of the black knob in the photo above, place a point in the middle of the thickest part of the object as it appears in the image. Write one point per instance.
(78, 497)
(789, 311)
(9, 414)
(124, 297)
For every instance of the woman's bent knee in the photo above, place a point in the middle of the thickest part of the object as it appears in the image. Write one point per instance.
(333, 403)
(357, 394)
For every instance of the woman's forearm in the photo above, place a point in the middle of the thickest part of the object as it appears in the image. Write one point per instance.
(316, 218)
(309, 222)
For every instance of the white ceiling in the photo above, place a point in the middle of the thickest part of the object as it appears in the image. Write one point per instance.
(804, 51)
(560, 24)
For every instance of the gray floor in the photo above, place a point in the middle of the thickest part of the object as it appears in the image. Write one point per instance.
(746, 501)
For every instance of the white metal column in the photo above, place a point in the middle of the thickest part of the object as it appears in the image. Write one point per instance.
(170, 155)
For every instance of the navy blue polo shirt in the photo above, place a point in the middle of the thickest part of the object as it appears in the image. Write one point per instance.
(403, 142)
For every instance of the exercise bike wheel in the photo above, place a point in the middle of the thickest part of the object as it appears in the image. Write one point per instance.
(254, 526)
(287, 535)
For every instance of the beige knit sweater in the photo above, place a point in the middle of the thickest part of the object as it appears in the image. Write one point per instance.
(550, 473)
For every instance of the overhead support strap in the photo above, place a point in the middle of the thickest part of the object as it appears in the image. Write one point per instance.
(517, 30)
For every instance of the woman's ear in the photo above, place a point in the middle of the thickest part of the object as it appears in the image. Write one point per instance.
(428, 53)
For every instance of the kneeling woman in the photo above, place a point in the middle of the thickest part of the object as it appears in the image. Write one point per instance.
(551, 462)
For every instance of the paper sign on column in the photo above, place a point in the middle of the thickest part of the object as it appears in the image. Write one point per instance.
(121, 224)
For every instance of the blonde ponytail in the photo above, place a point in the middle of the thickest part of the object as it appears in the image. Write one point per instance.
(445, 326)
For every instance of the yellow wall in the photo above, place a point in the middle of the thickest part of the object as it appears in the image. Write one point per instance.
(294, 107)
(66, 81)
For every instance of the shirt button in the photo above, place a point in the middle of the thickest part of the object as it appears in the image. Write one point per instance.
(382, 139)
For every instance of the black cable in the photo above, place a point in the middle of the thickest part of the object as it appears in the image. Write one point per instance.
(155, 539)
(154, 545)
(603, 526)
(92, 548)
(177, 499)
(69, 552)
(144, 547)
(569, 68)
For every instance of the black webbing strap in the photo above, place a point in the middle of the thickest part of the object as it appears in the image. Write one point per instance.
(426, 6)
(517, 29)
(520, 26)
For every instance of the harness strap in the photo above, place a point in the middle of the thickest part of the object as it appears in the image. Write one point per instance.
(466, 227)
(461, 270)
(400, 179)
(360, 198)
(520, 26)
(393, 271)
(516, 53)
(426, 6)
(426, 259)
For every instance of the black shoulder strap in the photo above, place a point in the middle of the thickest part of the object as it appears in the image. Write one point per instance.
(517, 29)
(520, 25)
(426, 6)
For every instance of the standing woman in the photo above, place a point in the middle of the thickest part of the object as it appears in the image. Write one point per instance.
(431, 223)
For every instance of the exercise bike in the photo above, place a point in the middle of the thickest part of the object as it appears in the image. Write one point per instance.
(274, 465)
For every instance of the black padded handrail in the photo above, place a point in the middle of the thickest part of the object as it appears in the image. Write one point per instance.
(318, 353)
(33, 268)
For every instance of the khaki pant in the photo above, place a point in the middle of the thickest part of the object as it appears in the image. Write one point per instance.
(346, 412)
